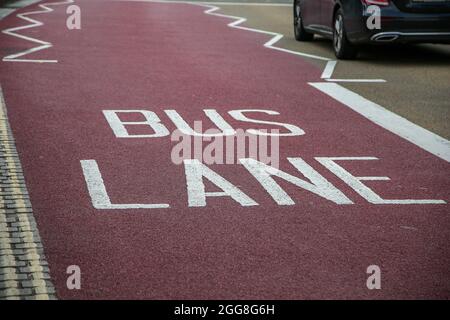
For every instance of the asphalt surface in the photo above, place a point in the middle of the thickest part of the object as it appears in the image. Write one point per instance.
(159, 56)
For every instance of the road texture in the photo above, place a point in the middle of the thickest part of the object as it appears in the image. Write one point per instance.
(311, 232)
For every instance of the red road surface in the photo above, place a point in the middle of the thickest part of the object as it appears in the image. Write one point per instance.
(158, 56)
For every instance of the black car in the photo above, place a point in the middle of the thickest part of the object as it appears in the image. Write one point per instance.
(346, 22)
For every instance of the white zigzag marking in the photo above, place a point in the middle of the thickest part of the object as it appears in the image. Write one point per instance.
(331, 64)
(269, 44)
(33, 23)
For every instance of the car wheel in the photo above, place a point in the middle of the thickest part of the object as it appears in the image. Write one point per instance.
(342, 47)
(300, 33)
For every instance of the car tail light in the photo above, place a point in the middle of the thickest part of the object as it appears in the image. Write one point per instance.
(376, 2)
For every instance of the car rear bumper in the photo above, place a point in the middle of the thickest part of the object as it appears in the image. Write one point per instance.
(399, 26)
(408, 37)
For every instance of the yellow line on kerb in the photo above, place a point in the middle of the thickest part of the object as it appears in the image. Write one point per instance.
(32, 257)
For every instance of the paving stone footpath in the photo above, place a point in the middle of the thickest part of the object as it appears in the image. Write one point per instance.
(24, 272)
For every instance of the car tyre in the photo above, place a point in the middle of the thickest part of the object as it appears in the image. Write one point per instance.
(343, 49)
(299, 31)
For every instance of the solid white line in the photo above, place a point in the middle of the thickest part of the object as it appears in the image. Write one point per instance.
(33, 24)
(374, 178)
(402, 127)
(30, 60)
(298, 53)
(263, 4)
(328, 73)
(355, 80)
(98, 193)
(329, 68)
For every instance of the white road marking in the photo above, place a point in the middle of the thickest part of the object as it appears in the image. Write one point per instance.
(329, 69)
(356, 80)
(240, 116)
(364, 191)
(409, 228)
(376, 113)
(259, 4)
(317, 185)
(119, 127)
(269, 44)
(223, 126)
(396, 124)
(195, 172)
(374, 178)
(98, 193)
(236, 24)
(264, 4)
(33, 24)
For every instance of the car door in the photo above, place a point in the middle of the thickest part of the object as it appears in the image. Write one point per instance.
(326, 15)
(310, 13)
